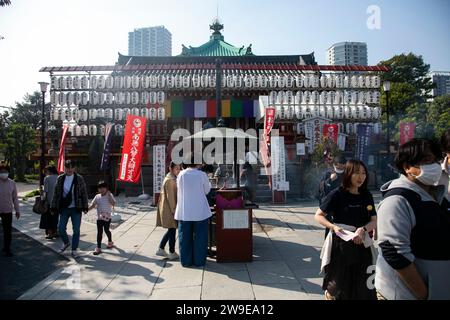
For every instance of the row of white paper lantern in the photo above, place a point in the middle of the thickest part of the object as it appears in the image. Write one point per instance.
(329, 112)
(324, 97)
(101, 98)
(118, 114)
(348, 128)
(93, 130)
(209, 80)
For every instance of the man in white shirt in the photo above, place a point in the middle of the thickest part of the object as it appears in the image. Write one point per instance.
(193, 213)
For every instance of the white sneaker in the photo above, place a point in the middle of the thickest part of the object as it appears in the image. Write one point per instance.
(75, 254)
(162, 253)
(173, 256)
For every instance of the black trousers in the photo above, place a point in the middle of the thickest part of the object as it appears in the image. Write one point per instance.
(169, 236)
(7, 230)
(103, 225)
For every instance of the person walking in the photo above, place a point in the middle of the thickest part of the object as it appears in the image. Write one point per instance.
(165, 216)
(413, 228)
(348, 250)
(8, 202)
(192, 213)
(49, 219)
(445, 176)
(104, 202)
(70, 200)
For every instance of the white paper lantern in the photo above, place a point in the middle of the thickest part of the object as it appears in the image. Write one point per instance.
(77, 98)
(376, 81)
(289, 81)
(377, 128)
(272, 97)
(339, 112)
(101, 83)
(330, 97)
(145, 82)
(77, 130)
(347, 112)
(323, 81)
(161, 113)
(323, 97)
(153, 97)
(109, 114)
(160, 97)
(84, 84)
(247, 82)
(144, 113)
(376, 97)
(59, 115)
(69, 98)
(322, 111)
(361, 81)
(118, 82)
(298, 97)
(127, 82)
(330, 81)
(290, 112)
(151, 82)
(368, 112)
(289, 97)
(178, 81)
(93, 98)
(126, 111)
(361, 112)
(298, 112)
(61, 83)
(135, 82)
(354, 81)
(75, 114)
(204, 81)
(67, 114)
(299, 81)
(340, 127)
(54, 83)
(118, 114)
(346, 82)
(329, 112)
(134, 97)
(212, 81)
(161, 81)
(92, 114)
(135, 111)
(93, 83)
(315, 81)
(314, 111)
(339, 79)
(305, 112)
(306, 97)
(101, 98)
(118, 130)
(53, 98)
(153, 113)
(100, 113)
(239, 81)
(376, 113)
(338, 98)
(170, 82)
(92, 130)
(354, 97)
(314, 99)
(368, 82)
(186, 81)
(83, 115)
(145, 97)
(362, 97)
(69, 82)
(62, 99)
(280, 97)
(109, 82)
(354, 112)
(273, 82)
(127, 96)
(84, 130)
(196, 81)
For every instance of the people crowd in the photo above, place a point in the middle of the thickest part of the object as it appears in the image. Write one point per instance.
(405, 239)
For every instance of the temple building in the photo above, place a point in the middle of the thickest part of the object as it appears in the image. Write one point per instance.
(173, 92)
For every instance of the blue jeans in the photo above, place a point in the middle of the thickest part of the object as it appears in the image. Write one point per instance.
(193, 237)
(169, 236)
(75, 217)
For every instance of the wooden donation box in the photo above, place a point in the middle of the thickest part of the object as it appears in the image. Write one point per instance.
(234, 241)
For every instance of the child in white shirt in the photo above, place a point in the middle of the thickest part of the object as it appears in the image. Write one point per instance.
(104, 201)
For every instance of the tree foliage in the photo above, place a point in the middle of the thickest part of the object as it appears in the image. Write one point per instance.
(21, 143)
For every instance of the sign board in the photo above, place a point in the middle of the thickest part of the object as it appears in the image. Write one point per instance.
(159, 164)
(301, 149)
(278, 157)
(235, 219)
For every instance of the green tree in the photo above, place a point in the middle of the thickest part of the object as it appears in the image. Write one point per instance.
(30, 110)
(4, 122)
(20, 140)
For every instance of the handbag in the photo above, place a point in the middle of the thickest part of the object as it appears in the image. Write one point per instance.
(40, 206)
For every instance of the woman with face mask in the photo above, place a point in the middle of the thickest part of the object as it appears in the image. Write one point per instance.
(413, 228)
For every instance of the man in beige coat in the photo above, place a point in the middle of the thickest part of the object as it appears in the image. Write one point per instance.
(166, 210)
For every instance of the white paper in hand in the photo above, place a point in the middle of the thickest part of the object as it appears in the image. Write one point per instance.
(346, 235)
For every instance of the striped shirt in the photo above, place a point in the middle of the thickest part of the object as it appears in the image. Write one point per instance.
(104, 206)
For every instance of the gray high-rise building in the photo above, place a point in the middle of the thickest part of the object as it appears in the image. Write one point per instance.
(153, 41)
(347, 53)
(442, 81)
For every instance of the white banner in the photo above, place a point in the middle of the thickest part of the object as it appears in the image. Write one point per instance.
(278, 162)
(159, 167)
(341, 141)
(301, 149)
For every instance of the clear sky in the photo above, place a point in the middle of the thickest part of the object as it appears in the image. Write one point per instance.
(92, 32)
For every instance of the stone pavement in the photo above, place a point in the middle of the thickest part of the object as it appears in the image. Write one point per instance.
(286, 248)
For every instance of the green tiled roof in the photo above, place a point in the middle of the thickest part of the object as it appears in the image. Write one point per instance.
(216, 46)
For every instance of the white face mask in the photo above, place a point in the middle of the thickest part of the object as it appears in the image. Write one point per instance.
(338, 171)
(4, 176)
(430, 174)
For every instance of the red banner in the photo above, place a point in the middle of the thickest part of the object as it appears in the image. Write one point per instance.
(269, 120)
(132, 149)
(331, 131)
(62, 158)
(406, 131)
